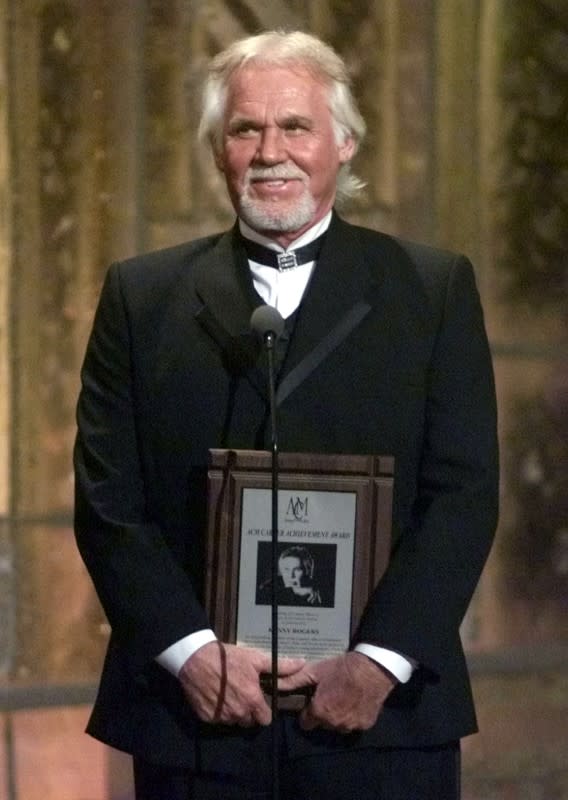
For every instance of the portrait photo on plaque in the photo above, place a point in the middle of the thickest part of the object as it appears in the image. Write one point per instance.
(306, 574)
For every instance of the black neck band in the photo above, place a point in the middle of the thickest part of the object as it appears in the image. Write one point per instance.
(283, 261)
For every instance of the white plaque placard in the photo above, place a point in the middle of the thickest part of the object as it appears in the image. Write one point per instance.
(316, 545)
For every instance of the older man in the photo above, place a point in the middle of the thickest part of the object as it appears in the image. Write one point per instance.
(386, 344)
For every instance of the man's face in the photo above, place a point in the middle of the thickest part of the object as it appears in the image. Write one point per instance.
(292, 571)
(278, 153)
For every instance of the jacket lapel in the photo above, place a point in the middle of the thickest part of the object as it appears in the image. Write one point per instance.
(336, 301)
(224, 286)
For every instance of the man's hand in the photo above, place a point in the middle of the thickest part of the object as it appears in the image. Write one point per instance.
(349, 695)
(222, 683)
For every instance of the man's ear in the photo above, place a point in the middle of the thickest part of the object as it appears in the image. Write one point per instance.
(346, 150)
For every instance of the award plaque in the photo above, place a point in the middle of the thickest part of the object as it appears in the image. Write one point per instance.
(334, 537)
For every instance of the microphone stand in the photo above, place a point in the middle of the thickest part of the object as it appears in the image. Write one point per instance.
(270, 340)
(268, 324)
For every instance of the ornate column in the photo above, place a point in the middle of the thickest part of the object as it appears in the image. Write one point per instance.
(457, 147)
(75, 125)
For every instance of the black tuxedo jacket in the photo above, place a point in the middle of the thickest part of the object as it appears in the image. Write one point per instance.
(388, 355)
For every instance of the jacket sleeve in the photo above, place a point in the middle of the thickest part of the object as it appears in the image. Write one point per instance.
(146, 595)
(420, 603)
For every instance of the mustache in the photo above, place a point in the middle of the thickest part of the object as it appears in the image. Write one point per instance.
(276, 172)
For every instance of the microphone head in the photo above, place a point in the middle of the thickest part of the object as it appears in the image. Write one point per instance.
(265, 320)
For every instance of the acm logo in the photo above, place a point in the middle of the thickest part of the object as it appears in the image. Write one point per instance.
(297, 509)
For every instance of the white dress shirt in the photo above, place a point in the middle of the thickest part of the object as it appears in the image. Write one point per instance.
(283, 290)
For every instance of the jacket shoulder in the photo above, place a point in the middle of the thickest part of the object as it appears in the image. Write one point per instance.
(145, 282)
(423, 257)
(418, 265)
(166, 262)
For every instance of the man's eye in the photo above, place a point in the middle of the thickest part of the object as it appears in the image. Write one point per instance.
(245, 129)
(296, 126)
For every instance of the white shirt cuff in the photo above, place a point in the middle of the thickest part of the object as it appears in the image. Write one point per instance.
(174, 657)
(399, 666)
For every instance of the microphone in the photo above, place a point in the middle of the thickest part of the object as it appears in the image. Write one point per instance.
(267, 322)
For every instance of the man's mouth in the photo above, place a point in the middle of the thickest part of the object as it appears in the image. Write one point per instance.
(273, 181)
(276, 185)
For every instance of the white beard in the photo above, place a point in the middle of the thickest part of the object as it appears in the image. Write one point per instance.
(279, 216)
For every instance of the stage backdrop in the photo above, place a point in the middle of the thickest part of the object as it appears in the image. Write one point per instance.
(467, 106)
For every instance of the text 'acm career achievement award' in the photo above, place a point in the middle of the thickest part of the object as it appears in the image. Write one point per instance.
(334, 521)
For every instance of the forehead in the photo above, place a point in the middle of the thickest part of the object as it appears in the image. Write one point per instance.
(290, 560)
(255, 87)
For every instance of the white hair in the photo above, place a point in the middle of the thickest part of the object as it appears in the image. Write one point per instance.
(284, 49)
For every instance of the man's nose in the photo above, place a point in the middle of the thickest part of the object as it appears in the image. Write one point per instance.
(271, 149)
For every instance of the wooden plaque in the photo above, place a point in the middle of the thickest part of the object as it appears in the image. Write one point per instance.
(334, 541)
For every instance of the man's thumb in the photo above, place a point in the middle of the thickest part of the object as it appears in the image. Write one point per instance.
(288, 666)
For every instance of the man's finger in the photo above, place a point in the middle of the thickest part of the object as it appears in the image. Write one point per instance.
(303, 677)
(307, 720)
(289, 666)
(285, 666)
(261, 713)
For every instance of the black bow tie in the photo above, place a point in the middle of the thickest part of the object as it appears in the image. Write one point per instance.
(283, 261)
